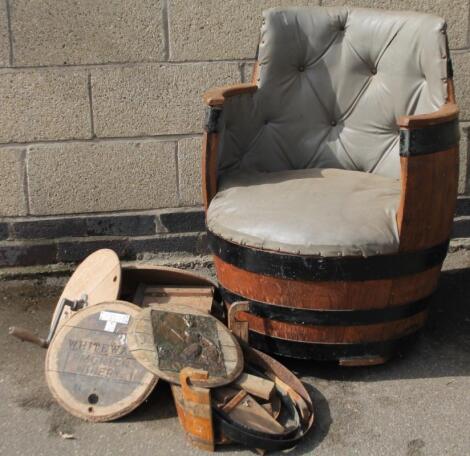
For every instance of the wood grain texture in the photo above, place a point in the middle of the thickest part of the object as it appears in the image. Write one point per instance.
(98, 276)
(256, 386)
(448, 112)
(194, 423)
(429, 184)
(372, 294)
(336, 334)
(195, 296)
(198, 421)
(150, 274)
(142, 346)
(217, 95)
(428, 198)
(89, 369)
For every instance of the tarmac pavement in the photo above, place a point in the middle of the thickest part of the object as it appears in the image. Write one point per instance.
(416, 405)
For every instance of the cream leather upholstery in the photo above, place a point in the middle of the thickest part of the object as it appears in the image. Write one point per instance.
(332, 83)
(326, 212)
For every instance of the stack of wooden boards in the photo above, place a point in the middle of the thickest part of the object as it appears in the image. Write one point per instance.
(118, 331)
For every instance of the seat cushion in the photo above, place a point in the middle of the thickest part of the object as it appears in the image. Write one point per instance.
(326, 212)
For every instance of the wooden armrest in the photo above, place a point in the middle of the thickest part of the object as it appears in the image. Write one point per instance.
(429, 176)
(447, 113)
(217, 95)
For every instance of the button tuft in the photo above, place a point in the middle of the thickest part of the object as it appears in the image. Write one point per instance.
(301, 68)
(333, 123)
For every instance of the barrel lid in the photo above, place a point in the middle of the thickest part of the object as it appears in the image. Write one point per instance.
(98, 277)
(167, 338)
(89, 369)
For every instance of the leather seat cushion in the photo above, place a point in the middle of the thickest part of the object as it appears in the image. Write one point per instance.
(326, 212)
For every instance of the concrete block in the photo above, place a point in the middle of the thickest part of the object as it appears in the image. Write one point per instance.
(161, 245)
(120, 224)
(248, 69)
(70, 178)
(12, 182)
(27, 253)
(189, 169)
(463, 206)
(461, 227)
(456, 14)
(76, 250)
(44, 105)
(4, 231)
(183, 221)
(461, 61)
(155, 99)
(51, 32)
(464, 165)
(4, 38)
(218, 30)
(47, 228)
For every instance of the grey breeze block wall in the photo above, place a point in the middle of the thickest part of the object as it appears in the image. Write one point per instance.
(101, 116)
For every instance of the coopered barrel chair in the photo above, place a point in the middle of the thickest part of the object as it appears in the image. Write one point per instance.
(330, 181)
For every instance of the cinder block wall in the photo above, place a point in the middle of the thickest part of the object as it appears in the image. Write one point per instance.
(101, 116)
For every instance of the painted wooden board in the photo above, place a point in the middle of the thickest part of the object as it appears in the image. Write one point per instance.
(98, 276)
(89, 369)
(200, 297)
(169, 338)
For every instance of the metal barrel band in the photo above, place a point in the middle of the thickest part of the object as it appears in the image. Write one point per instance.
(303, 316)
(316, 268)
(328, 352)
(239, 433)
(429, 140)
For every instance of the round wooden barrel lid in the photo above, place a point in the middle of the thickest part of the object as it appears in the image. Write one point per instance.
(167, 338)
(98, 276)
(89, 369)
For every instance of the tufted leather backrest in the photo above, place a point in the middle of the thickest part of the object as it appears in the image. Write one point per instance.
(332, 83)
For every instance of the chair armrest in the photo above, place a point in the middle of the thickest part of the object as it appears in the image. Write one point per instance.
(216, 97)
(429, 155)
(447, 113)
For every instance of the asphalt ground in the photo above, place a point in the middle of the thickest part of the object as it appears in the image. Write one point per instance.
(417, 404)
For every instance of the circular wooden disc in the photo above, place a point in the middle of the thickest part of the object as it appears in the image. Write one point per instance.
(89, 369)
(98, 276)
(168, 338)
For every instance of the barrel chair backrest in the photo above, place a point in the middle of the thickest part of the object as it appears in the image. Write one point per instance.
(332, 82)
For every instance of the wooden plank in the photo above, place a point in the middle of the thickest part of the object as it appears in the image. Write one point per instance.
(217, 95)
(232, 403)
(98, 276)
(251, 414)
(197, 416)
(199, 297)
(428, 198)
(256, 386)
(223, 394)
